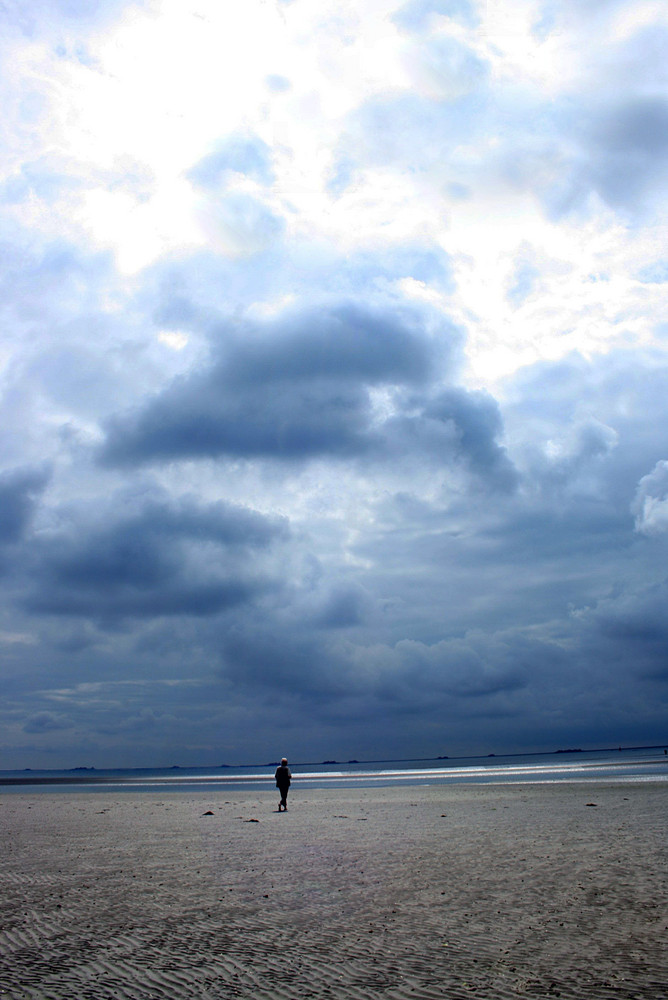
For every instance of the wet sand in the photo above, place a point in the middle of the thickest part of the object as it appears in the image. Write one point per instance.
(402, 892)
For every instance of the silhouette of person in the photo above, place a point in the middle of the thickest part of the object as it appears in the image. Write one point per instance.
(283, 779)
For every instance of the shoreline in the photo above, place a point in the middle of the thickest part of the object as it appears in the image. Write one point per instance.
(490, 891)
(653, 768)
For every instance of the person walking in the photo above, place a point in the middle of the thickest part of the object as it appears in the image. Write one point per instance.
(283, 779)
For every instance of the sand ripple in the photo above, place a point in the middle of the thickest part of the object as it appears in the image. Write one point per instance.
(441, 893)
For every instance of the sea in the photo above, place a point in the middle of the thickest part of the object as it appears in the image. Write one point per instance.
(621, 764)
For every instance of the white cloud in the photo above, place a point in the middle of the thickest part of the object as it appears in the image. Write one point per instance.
(650, 505)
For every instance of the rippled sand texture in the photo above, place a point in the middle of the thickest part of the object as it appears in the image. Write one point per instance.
(400, 893)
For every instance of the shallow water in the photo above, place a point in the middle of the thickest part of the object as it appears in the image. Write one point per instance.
(641, 764)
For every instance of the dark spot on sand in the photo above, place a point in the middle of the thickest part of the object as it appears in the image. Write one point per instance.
(591, 803)
(207, 813)
(251, 821)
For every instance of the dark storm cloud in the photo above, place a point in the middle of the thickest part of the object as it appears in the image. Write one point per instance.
(629, 633)
(535, 618)
(343, 606)
(477, 419)
(136, 596)
(639, 127)
(44, 722)
(20, 490)
(302, 387)
(630, 152)
(459, 612)
(204, 419)
(563, 560)
(347, 343)
(618, 151)
(453, 428)
(165, 558)
(297, 387)
(357, 681)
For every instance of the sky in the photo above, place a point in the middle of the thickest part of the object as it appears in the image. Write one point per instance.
(334, 379)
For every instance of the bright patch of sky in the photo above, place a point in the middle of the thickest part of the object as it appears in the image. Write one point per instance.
(118, 118)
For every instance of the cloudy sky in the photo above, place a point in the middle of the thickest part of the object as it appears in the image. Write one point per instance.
(334, 361)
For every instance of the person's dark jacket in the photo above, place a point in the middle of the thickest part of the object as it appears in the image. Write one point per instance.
(283, 776)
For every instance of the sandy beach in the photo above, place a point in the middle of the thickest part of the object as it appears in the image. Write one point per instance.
(402, 892)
